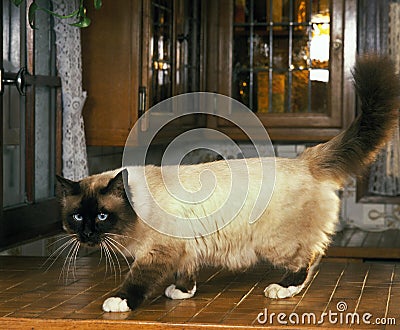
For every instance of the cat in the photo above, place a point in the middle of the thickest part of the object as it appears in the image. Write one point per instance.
(292, 233)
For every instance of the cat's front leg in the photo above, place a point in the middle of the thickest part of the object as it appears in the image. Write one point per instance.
(184, 287)
(140, 284)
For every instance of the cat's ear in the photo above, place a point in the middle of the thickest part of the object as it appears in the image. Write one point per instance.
(66, 187)
(116, 185)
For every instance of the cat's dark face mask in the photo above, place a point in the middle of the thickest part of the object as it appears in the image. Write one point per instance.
(94, 210)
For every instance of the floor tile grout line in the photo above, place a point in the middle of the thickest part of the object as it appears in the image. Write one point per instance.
(29, 304)
(306, 290)
(106, 278)
(174, 307)
(213, 275)
(15, 285)
(302, 296)
(390, 291)
(362, 290)
(213, 299)
(335, 288)
(256, 319)
(165, 313)
(240, 301)
(71, 298)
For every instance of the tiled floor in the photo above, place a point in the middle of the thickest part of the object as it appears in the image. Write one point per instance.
(223, 298)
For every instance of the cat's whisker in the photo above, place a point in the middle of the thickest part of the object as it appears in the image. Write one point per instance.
(124, 248)
(70, 251)
(105, 257)
(139, 269)
(117, 245)
(70, 259)
(58, 252)
(110, 259)
(71, 238)
(111, 252)
(123, 236)
(101, 254)
(113, 262)
(111, 246)
(67, 262)
(73, 259)
(64, 236)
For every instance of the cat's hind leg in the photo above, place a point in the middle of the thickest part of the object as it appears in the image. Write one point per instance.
(293, 282)
(184, 287)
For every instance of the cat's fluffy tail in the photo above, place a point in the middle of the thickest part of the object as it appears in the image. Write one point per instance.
(350, 153)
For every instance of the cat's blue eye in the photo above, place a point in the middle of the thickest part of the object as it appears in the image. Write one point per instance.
(77, 217)
(102, 216)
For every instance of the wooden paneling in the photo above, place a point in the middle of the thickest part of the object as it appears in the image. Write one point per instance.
(111, 55)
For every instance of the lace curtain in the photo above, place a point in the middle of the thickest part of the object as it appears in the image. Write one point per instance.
(385, 172)
(69, 65)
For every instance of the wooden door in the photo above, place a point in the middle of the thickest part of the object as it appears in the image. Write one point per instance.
(30, 130)
(111, 48)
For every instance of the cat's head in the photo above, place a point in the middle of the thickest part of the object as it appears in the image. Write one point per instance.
(95, 207)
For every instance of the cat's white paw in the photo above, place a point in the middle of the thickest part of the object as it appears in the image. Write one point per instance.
(173, 293)
(115, 304)
(275, 291)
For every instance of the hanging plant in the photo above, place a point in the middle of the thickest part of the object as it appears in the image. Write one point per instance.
(82, 20)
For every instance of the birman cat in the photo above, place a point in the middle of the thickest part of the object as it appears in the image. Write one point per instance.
(292, 232)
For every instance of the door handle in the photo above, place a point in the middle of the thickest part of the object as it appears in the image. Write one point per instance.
(18, 79)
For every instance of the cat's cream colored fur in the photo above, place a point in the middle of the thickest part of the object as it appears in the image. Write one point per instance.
(301, 207)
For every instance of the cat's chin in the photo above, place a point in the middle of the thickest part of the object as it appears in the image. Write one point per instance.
(90, 244)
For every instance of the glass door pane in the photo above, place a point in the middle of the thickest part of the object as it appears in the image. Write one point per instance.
(14, 105)
(13, 108)
(281, 55)
(162, 50)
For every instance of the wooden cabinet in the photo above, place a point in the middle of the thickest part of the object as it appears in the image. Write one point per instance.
(255, 51)
(137, 50)
(265, 52)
